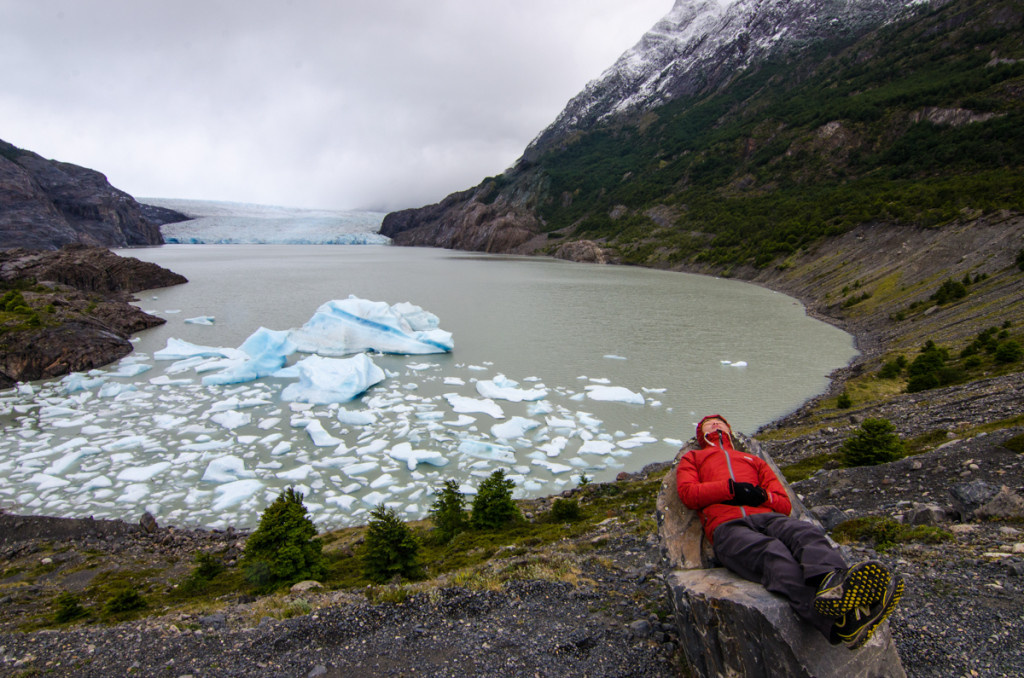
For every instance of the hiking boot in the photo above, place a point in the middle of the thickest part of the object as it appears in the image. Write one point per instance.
(858, 586)
(860, 623)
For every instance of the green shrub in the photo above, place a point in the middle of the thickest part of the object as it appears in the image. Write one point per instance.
(565, 510)
(283, 549)
(125, 600)
(449, 512)
(493, 506)
(1009, 351)
(893, 368)
(875, 443)
(929, 369)
(1020, 260)
(1015, 444)
(208, 566)
(390, 549)
(844, 402)
(951, 290)
(67, 608)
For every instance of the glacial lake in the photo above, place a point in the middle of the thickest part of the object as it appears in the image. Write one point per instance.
(146, 434)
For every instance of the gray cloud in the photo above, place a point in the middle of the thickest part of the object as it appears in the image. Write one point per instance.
(345, 103)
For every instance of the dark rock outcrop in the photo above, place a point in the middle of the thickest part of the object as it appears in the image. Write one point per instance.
(45, 204)
(729, 626)
(80, 296)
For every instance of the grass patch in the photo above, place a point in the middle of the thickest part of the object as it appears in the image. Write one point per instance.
(805, 468)
(926, 442)
(1015, 444)
(885, 533)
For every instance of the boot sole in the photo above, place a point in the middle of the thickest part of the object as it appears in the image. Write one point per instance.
(865, 585)
(864, 635)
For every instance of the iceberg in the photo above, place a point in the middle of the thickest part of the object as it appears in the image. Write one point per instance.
(354, 325)
(330, 380)
(178, 349)
(200, 320)
(267, 351)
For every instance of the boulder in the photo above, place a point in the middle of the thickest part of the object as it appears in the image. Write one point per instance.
(925, 514)
(969, 497)
(729, 626)
(1005, 505)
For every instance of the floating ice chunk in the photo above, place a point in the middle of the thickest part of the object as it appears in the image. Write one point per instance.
(653, 390)
(419, 367)
(234, 403)
(516, 427)
(231, 419)
(226, 469)
(554, 447)
(739, 363)
(283, 447)
(300, 473)
(614, 357)
(343, 501)
(372, 447)
(454, 381)
(360, 468)
(205, 446)
(412, 458)
(320, 437)
(266, 351)
(200, 320)
(77, 381)
(96, 483)
(168, 421)
(164, 380)
(374, 498)
(383, 480)
(464, 405)
(142, 474)
(45, 481)
(484, 450)
(552, 466)
(356, 417)
(134, 493)
(597, 447)
(178, 349)
(126, 443)
(329, 380)
(463, 420)
(619, 394)
(233, 493)
(637, 440)
(353, 325)
(504, 388)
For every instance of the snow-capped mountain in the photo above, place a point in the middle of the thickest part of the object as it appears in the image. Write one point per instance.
(700, 44)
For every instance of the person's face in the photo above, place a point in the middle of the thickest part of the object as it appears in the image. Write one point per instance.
(711, 426)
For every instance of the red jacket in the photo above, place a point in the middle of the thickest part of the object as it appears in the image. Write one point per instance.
(702, 479)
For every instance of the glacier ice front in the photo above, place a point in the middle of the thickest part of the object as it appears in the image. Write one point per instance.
(354, 325)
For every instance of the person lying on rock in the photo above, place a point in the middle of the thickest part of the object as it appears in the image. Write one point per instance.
(745, 513)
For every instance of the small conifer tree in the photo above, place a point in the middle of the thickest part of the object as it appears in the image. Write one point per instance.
(493, 506)
(875, 443)
(283, 549)
(390, 548)
(448, 512)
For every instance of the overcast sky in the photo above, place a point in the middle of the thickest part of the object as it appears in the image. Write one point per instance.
(379, 104)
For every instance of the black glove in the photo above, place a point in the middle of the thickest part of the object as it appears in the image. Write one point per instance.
(745, 494)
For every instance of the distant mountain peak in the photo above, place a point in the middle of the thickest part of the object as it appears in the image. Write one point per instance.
(699, 45)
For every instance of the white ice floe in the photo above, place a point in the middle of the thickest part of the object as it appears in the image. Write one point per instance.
(178, 349)
(346, 326)
(619, 394)
(234, 493)
(226, 469)
(320, 437)
(516, 427)
(480, 449)
(231, 419)
(200, 320)
(464, 405)
(331, 380)
(356, 417)
(142, 474)
(504, 388)
(412, 458)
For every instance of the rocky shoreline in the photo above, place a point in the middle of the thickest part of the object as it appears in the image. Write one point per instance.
(77, 314)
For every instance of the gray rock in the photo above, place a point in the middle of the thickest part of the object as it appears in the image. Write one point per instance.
(305, 586)
(641, 628)
(215, 621)
(148, 522)
(829, 516)
(1005, 505)
(319, 670)
(969, 497)
(925, 514)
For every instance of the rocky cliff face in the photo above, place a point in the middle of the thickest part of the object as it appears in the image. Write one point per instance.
(45, 204)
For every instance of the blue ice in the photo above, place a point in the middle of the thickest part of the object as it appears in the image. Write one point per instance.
(354, 325)
(267, 352)
(330, 380)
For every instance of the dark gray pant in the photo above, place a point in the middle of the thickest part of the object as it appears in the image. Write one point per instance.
(781, 553)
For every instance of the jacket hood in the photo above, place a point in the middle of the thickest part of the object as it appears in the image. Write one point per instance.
(701, 443)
